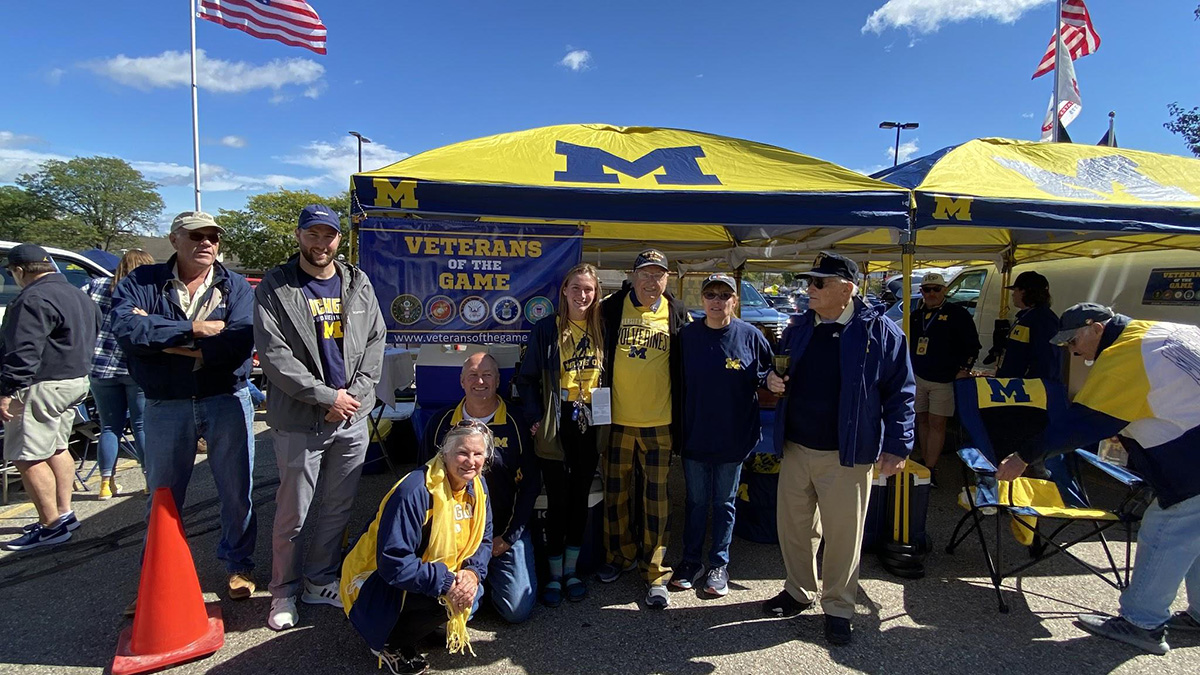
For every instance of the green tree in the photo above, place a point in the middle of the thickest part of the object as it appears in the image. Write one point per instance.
(1186, 122)
(18, 209)
(262, 235)
(107, 196)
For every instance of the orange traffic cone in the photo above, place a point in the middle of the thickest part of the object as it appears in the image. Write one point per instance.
(172, 623)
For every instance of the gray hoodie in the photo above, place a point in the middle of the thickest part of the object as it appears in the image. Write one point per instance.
(287, 347)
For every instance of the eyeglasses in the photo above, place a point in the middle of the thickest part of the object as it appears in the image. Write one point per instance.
(818, 283)
(932, 289)
(710, 295)
(473, 424)
(652, 275)
(214, 238)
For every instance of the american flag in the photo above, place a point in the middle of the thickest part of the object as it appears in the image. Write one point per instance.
(1077, 32)
(292, 22)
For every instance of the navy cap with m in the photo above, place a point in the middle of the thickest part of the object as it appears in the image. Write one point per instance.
(830, 264)
(319, 214)
(27, 253)
(1078, 316)
(650, 257)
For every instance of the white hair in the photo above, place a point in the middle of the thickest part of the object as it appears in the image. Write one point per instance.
(459, 433)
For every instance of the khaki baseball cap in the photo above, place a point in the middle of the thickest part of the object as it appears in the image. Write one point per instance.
(194, 220)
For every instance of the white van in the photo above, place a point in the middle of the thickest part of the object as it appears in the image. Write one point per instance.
(1135, 284)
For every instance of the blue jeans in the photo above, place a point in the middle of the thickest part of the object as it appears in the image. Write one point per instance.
(512, 581)
(118, 399)
(1168, 553)
(225, 421)
(709, 484)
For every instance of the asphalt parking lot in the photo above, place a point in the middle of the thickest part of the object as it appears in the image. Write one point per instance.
(60, 609)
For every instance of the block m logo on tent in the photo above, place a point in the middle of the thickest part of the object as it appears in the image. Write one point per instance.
(948, 208)
(587, 165)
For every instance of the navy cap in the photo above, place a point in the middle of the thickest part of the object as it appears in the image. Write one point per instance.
(650, 257)
(27, 253)
(319, 214)
(1078, 316)
(1030, 281)
(718, 278)
(833, 265)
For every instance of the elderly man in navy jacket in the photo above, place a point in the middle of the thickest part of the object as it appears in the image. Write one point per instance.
(848, 406)
(187, 328)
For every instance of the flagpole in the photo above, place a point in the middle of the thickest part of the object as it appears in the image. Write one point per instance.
(1057, 33)
(195, 111)
(1112, 120)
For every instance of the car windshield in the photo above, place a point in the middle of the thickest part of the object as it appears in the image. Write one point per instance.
(751, 297)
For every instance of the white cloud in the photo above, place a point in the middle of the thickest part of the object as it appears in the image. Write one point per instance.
(16, 158)
(338, 160)
(54, 75)
(927, 16)
(314, 91)
(908, 149)
(173, 69)
(216, 178)
(278, 98)
(577, 59)
(1027, 115)
(700, 76)
(233, 141)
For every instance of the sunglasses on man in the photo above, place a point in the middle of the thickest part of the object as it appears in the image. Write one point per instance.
(932, 289)
(713, 295)
(818, 283)
(214, 238)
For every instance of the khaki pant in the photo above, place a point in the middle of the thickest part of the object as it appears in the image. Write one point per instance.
(820, 497)
(43, 418)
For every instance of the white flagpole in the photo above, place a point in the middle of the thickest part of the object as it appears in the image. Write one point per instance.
(1112, 121)
(1053, 115)
(195, 113)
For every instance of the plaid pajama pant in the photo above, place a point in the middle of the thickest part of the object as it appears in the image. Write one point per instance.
(644, 453)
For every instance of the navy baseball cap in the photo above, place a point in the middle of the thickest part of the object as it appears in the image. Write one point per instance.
(27, 253)
(319, 214)
(648, 257)
(1078, 316)
(1030, 281)
(724, 279)
(833, 265)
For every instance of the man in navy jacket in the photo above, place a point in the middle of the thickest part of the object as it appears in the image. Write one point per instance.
(187, 328)
(848, 406)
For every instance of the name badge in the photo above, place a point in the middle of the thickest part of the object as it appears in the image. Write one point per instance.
(922, 346)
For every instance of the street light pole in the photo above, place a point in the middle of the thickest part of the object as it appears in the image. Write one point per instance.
(898, 126)
(361, 139)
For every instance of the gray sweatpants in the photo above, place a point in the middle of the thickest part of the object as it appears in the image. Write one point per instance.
(335, 455)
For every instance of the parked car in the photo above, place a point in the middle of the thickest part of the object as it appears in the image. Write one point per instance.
(755, 310)
(76, 268)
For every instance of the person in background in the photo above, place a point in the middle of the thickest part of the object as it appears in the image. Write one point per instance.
(46, 343)
(422, 560)
(562, 364)
(725, 361)
(849, 406)
(513, 478)
(641, 328)
(320, 339)
(944, 345)
(1028, 351)
(118, 398)
(1143, 388)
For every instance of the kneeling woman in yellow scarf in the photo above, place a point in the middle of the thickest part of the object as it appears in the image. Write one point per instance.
(422, 561)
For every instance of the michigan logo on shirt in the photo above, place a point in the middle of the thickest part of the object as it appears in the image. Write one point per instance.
(636, 339)
(733, 364)
(327, 313)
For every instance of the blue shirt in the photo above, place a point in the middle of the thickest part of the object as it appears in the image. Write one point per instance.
(722, 371)
(814, 390)
(325, 305)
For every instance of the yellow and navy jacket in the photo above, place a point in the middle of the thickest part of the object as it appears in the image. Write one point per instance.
(514, 476)
(1144, 388)
(398, 537)
(1028, 352)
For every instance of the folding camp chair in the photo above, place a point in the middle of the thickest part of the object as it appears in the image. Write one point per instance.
(1000, 416)
(85, 437)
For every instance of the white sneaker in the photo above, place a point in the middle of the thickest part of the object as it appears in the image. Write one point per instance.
(283, 613)
(321, 595)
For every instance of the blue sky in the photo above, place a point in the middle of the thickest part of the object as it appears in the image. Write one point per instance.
(85, 78)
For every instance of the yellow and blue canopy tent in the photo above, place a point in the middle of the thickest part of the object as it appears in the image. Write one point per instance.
(688, 193)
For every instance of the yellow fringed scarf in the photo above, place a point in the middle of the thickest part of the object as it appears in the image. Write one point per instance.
(442, 547)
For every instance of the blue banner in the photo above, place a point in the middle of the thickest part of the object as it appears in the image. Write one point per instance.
(1176, 286)
(445, 282)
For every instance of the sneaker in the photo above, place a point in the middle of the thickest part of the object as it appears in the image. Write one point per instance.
(321, 595)
(837, 630)
(718, 581)
(609, 572)
(399, 662)
(658, 598)
(1117, 628)
(283, 613)
(784, 605)
(1183, 622)
(37, 535)
(108, 489)
(241, 585)
(686, 575)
